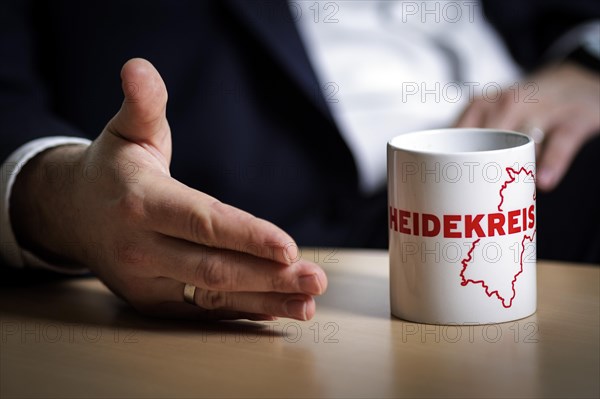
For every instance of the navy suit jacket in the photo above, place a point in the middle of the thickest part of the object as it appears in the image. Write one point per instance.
(249, 123)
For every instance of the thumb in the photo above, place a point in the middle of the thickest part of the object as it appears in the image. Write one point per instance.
(142, 118)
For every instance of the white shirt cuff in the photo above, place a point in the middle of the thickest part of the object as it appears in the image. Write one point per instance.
(10, 251)
(585, 35)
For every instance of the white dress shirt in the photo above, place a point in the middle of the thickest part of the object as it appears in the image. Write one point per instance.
(391, 67)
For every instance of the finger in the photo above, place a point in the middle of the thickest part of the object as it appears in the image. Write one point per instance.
(231, 304)
(538, 136)
(536, 129)
(559, 150)
(142, 117)
(473, 115)
(224, 270)
(507, 114)
(300, 307)
(176, 210)
(540, 126)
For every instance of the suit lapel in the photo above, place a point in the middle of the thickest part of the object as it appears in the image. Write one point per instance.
(272, 24)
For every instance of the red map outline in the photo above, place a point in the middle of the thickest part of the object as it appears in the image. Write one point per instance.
(512, 179)
(511, 173)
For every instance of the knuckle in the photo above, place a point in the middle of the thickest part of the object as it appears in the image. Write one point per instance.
(201, 226)
(213, 300)
(213, 274)
(129, 253)
(279, 282)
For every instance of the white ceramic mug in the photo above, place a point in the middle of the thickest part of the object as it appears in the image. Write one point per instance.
(461, 211)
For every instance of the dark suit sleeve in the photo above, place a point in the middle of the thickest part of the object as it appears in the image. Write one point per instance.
(25, 113)
(530, 28)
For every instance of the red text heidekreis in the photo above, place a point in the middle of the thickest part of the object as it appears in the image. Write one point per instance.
(462, 226)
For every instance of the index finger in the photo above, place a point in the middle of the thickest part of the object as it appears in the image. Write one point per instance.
(557, 155)
(473, 115)
(176, 210)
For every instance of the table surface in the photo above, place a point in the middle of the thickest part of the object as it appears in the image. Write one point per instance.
(71, 338)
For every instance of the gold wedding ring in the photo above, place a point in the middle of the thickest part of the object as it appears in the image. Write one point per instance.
(188, 293)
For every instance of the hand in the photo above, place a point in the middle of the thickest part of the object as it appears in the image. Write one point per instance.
(561, 104)
(118, 211)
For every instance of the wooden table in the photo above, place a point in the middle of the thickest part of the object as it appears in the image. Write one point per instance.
(73, 339)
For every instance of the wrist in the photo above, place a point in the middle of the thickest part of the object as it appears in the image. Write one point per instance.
(42, 204)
